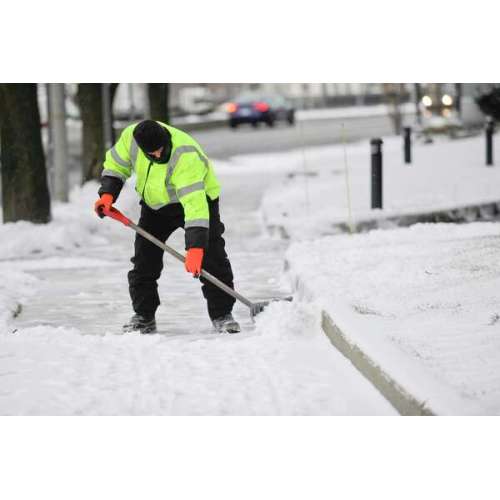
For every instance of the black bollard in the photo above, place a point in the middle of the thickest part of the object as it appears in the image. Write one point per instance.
(376, 149)
(490, 128)
(407, 144)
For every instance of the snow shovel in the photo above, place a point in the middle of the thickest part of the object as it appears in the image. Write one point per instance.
(255, 307)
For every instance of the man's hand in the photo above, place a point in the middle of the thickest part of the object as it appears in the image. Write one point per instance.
(194, 258)
(104, 202)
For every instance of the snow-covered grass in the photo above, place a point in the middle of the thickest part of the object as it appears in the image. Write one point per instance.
(422, 301)
(443, 175)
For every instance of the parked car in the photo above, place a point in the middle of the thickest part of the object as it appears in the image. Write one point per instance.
(254, 109)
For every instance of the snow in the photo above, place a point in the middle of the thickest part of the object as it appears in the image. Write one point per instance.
(65, 353)
(72, 227)
(422, 302)
(14, 289)
(63, 371)
(314, 197)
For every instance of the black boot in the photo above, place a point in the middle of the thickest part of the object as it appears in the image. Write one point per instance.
(226, 324)
(140, 324)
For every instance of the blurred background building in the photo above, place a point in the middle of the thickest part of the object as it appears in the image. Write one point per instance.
(201, 99)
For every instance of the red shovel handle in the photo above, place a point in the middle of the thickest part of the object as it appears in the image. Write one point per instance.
(117, 215)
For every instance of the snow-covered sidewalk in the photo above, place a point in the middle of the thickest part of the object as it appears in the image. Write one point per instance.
(64, 353)
(422, 302)
(313, 199)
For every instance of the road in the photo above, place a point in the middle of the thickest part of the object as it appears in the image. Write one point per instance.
(223, 143)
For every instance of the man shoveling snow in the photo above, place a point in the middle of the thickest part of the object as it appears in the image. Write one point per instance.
(178, 188)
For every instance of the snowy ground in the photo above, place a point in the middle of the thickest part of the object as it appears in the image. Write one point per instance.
(314, 196)
(423, 302)
(64, 353)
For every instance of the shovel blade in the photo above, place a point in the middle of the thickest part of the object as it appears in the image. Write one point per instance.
(258, 307)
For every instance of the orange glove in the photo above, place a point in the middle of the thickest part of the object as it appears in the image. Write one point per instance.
(194, 257)
(105, 201)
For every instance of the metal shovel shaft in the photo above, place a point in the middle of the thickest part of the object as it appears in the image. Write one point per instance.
(255, 307)
(180, 257)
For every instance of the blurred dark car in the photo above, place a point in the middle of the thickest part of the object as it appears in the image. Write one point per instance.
(255, 109)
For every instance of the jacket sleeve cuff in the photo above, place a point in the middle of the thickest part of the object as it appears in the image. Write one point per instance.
(111, 185)
(196, 237)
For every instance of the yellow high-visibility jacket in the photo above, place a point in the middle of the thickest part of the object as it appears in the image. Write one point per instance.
(188, 177)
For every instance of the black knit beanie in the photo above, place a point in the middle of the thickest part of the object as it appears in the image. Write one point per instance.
(151, 136)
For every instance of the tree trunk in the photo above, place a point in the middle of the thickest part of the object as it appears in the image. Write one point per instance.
(158, 101)
(25, 193)
(93, 150)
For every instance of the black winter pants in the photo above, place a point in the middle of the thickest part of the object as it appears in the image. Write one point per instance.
(148, 260)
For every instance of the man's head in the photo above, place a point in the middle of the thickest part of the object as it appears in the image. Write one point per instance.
(154, 140)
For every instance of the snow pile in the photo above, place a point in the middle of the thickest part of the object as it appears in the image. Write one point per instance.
(314, 195)
(74, 225)
(427, 295)
(271, 371)
(289, 321)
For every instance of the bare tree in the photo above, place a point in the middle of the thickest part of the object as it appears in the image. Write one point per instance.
(158, 94)
(25, 193)
(90, 102)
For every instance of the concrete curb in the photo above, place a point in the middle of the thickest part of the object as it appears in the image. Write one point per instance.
(398, 387)
(467, 213)
(398, 396)
(463, 214)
